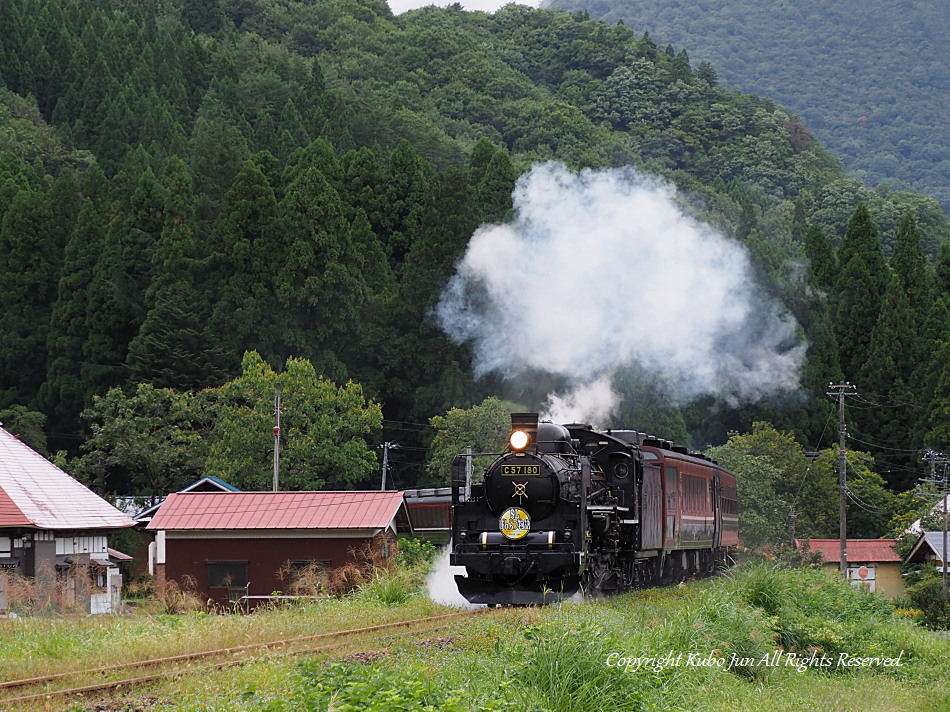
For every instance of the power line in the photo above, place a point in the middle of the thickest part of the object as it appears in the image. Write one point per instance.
(426, 426)
(869, 508)
(878, 404)
(883, 447)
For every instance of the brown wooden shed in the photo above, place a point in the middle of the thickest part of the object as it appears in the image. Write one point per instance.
(228, 545)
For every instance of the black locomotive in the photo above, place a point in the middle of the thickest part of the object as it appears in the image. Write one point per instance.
(568, 508)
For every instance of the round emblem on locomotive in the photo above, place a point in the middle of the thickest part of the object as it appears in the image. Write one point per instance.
(514, 523)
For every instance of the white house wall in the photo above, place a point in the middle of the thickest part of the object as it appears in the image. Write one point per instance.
(66, 546)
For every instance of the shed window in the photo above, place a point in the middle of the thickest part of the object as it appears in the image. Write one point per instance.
(227, 574)
(5, 546)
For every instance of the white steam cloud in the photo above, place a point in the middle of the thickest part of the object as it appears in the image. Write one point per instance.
(601, 269)
(585, 403)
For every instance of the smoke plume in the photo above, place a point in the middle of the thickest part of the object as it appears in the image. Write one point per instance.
(601, 269)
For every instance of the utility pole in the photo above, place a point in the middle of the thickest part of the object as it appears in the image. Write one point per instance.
(277, 437)
(935, 458)
(841, 391)
(943, 490)
(386, 447)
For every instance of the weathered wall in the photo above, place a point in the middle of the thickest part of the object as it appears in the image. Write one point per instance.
(186, 560)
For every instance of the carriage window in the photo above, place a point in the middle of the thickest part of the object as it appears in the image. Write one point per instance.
(672, 485)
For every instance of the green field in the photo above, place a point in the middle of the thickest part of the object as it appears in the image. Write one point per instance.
(758, 639)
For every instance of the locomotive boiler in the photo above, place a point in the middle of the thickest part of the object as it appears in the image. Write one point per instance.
(567, 508)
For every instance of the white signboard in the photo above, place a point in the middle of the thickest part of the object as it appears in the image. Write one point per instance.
(862, 576)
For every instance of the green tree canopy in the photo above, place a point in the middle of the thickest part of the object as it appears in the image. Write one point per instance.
(483, 427)
(151, 442)
(323, 429)
(860, 287)
(776, 481)
(158, 440)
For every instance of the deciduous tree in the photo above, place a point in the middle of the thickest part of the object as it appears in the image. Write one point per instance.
(483, 427)
(323, 429)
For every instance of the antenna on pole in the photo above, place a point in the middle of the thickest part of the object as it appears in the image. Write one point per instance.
(277, 437)
(842, 391)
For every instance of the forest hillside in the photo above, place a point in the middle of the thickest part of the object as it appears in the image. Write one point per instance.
(872, 82)
(199, 200)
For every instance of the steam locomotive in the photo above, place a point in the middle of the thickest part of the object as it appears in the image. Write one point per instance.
(568, 508)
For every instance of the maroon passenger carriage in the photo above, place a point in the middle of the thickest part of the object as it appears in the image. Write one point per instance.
(690, 515)
(568, 508)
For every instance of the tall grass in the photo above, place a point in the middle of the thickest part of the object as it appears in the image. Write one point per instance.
(41, 645)
(552, 659)
(556, 659)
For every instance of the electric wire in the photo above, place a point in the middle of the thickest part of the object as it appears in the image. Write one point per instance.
(883, 447)
(869, 508)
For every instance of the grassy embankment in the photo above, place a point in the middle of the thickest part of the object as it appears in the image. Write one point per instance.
(667, 642)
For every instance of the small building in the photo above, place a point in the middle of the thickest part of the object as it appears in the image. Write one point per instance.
(54, 531)
(928, 549)
(145, 548)
(431, 512)
(229, 545)
(873, 564)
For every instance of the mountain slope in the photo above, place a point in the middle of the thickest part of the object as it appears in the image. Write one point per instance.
(872, 81)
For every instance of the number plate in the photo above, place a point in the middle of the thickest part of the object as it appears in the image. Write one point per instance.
(520, 470)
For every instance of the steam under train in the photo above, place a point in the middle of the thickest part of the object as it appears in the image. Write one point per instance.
(567, 508)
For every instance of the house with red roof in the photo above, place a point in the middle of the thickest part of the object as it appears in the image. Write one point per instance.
(230, 546)
(873, 564)
(55, 531)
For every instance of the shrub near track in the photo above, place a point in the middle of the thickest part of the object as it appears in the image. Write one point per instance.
(657, 650)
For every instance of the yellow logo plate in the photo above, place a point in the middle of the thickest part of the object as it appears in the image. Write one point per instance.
(515, 523)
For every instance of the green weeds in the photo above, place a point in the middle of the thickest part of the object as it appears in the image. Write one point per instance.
(654, 650)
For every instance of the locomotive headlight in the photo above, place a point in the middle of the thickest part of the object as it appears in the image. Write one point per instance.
(518, 440)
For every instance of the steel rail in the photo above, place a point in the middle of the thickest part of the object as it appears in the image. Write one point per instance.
(187, 657)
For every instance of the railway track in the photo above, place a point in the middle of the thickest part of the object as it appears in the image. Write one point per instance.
(50, 692)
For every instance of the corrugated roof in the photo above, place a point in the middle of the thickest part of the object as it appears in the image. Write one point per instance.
(34, 492)
(933, 540)
(209, 483)
(859, 550)
(277, 510)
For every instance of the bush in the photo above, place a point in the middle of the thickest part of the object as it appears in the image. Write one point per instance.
(389, 590)
(927, 596)
(416, 554)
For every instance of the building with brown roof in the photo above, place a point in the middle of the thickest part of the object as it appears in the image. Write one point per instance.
(54, 531)
(233, 545)
(873, 564)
